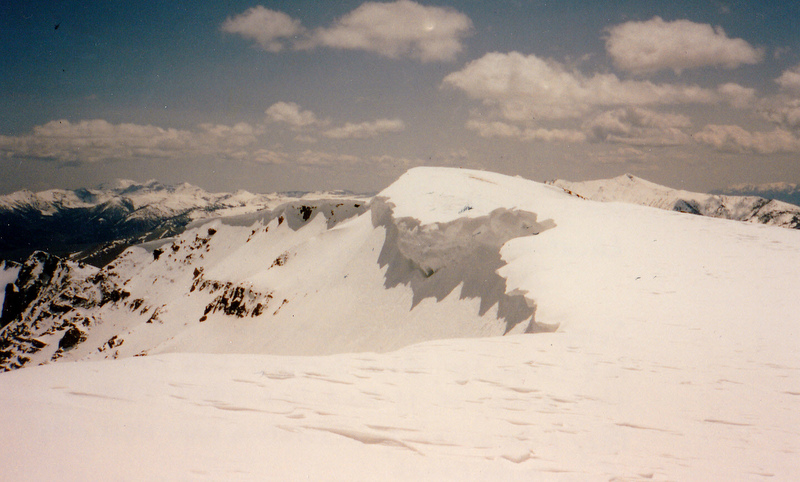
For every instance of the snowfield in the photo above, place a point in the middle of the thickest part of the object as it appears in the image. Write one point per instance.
(674, 356)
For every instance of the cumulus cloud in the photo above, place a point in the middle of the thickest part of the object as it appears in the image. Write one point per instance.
(494, 128)
(365, 130)
(653, 45)
(323, 158)
(790, 80)
(397, 29)
(306, 158)
(733, 138)
(637, 126)
(503, 129)
(267, 27)
(99, 140)
(525, 87)
(783, 112)
(291, 113)
(737, 95)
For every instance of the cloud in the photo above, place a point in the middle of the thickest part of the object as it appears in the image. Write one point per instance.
(737, 95)
(398, 29)
(526, 87)
(365, 130)
(98, 140)
(267, 156)
(322, 158)
(653, 45)
(395, 29)
(267, 27)
(503, 129)
(790, 80)
(783, 112)
(494, 128)
(291, 114)
(733, 138)
(637, 126)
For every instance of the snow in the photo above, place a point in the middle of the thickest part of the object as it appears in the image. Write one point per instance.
(631, 189)
(675, 356)
(8, 273)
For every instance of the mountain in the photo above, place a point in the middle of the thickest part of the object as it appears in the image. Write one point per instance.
(309, 277)
(631, 189)
(781, 191)
(462, 325)
(95, 225)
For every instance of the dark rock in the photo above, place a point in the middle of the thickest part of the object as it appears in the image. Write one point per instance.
(72, 337)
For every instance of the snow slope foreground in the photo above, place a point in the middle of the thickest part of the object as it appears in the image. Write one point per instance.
(631, 189)
(675, 356)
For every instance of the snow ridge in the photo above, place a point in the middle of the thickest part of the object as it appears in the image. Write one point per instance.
(299, 274)
(631, 189)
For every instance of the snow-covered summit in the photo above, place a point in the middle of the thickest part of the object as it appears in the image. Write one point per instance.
(631, 189)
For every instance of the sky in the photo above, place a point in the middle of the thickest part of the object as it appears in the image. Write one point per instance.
(307, 95)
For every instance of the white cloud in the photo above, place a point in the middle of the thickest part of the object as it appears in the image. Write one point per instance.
(503, 129)
(494, 128)
(398, 29)
(291, 114)
(637, 126)
(553, 135)
(267, 27)
(785, 113)
(365, 130)
(735, 139)
(322, 158)
(98, 140)
(653, 45)
(266, 156)
(790, 80)
(737, 95)
(395, 29)
(525, 87)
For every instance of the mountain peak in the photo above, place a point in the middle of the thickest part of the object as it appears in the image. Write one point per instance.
(631, 189)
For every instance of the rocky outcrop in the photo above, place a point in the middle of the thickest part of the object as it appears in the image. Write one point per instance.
(51, 306)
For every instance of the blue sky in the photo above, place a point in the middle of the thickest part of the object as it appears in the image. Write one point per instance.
(287, 95)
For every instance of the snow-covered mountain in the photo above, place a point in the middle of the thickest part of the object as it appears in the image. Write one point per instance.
(607, 341)
(294, 280)
(631, 189)
(782, 191)
(94, 225)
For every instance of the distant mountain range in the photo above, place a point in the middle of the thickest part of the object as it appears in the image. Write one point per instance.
(631, 189)
(780, 191)
(95, 225)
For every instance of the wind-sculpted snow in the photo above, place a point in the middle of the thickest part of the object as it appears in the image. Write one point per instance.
(434, 259)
